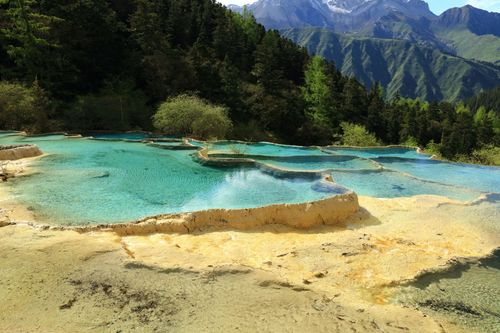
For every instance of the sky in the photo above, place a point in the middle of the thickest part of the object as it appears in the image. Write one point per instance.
(437, 6)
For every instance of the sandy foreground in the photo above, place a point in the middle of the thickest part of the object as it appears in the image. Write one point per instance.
(268, 279)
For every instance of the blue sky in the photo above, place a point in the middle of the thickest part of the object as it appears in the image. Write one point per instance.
(437, 6)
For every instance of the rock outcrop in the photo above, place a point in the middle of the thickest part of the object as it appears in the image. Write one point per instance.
(330, 211)
(18, 152)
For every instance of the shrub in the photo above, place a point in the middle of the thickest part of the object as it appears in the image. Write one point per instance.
(433, 148)
(15, 106)
(212, 123)
(486, 155)
(357, 135)
(410, 142)
(190, 115)
(23, 108)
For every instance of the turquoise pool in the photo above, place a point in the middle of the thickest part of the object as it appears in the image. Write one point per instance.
(131, 136)
(91, 181)
(259, 149)
(390, 184)
(85, 181)
(477, 177)
(377, 152)
(318, 162)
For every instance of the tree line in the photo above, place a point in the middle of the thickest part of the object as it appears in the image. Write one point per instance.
(108, 64)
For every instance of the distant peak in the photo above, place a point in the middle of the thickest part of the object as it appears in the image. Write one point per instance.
(478, 21)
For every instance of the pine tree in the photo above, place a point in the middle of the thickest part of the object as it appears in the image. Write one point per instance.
(317, 93)
(267, 69)
(484, 127)
(28, 37)
(376, 108)
(459, 137)
(409, 126)
(355, 101)
(231, 89)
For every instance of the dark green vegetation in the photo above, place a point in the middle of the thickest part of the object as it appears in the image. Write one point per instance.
(401, 66)
(490, 100)
(107, 65)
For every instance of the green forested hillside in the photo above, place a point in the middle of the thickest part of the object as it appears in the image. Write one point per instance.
(458, 31)
(107, 64)
(471, 46)
(400, 66)
(79, 65)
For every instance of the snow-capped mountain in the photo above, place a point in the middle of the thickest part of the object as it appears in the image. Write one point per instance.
(344, 6)
(341, 15)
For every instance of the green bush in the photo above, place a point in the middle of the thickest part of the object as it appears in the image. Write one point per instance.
(213, 123)
(357, 135)
(410, 142)
(26, 109)
(486, 155)
(433, 148)
(190, 115)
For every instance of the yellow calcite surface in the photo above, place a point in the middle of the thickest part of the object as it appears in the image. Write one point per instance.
(21, 152)
(266, 278)
(389, 241)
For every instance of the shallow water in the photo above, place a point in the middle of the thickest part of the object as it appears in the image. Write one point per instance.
(477, 177)
(468, 294)
(99, 181)
(131, 136)
(388, 184)
(263, 149)
(377, 152)
(319, 163)
(168, 143)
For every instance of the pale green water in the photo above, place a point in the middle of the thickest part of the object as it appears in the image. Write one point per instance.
(100, 181)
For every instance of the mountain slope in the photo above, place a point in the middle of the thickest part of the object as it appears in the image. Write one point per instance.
(400, 66)
(470, 32)
(411, 50)
(470, 46)
(467, 31)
